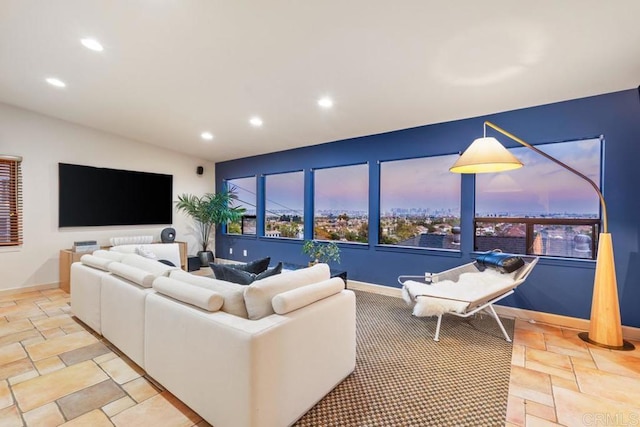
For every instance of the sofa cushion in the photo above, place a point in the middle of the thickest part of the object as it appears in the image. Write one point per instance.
(258, 295)
(232, 293)
(112, 255)
(144, 252)
(152, 266)
(133, 274)
(96, 262)
(230, 274)
(168, 251)
(194, 295)
(301, 297)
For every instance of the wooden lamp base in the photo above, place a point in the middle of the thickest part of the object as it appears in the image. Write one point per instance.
(605, 328)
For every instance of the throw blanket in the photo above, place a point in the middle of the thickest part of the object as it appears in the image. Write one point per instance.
(449, 296)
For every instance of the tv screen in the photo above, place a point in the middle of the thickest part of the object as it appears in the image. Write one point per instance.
(91, 196)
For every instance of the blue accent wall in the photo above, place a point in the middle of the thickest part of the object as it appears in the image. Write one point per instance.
(556, 286)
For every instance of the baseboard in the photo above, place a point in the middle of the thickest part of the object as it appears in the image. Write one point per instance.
(376, 289)
(32, 288)
(227, 261)
(628, 332)
(557, 320)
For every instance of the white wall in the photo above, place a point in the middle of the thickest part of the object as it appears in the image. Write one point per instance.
(43, 142)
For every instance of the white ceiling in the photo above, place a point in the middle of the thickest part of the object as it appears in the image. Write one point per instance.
(172, 69)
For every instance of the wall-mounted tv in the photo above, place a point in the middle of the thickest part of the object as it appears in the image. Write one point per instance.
(91, 196)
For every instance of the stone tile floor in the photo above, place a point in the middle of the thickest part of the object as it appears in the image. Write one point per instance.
(55, 371)
(558, 379)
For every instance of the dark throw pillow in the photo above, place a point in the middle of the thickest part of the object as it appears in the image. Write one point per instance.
(240, 277)
(255, 267)
(167, 262)
(229, 273)
(270, 272)
(504, 263)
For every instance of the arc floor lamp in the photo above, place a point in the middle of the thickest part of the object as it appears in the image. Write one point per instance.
(486, 155)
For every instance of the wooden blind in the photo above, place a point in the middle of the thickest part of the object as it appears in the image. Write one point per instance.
(10, 201)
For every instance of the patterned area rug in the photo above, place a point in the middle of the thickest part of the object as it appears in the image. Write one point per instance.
(404, 378)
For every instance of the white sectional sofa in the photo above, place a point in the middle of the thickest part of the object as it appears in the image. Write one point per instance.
(240, 356)
(87, 276)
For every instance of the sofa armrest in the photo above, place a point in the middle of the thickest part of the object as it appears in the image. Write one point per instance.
(96, 262)
(133, 274)
(196, 296)
(294, 299)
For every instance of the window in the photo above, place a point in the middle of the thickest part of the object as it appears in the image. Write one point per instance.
(284, 205)
(542, 208)
(245, 190)
(10, 201)
(420, 203)
(341, 204)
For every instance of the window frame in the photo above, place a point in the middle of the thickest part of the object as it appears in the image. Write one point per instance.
(11, 200)
(368, 204)
(418, 249)
(531, 221)
(266, 194)
(227, 186)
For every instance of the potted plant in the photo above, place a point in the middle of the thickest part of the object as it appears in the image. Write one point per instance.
(208, 211)
(321, 251)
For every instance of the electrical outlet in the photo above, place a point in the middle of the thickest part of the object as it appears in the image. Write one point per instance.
(244, 252)
(230, 251)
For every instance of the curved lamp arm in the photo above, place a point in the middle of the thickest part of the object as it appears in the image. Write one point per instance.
(553, 159)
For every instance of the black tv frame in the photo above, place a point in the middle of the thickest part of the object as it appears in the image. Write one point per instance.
(96, 196)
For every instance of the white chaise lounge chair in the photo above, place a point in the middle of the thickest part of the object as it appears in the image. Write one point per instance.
(463, 291)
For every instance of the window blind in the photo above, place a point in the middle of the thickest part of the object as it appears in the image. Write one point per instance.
(10, 201)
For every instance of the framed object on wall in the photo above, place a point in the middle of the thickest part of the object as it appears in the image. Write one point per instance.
(249, 224)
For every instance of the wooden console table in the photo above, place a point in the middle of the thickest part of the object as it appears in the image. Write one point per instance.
(68, 257)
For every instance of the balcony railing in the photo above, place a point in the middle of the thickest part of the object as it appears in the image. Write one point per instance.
(554, 237)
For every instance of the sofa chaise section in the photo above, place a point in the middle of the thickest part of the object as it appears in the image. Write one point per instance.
(86, 285)
(236, 372)
(122, 302)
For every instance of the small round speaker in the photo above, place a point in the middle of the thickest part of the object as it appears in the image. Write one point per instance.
(168, 235)
(200, 170)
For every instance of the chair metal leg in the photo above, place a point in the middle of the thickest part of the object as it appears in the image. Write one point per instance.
(495, 316)
(437, 336)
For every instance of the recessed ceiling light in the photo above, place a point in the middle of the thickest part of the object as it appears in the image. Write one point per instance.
(256, 121)
(325, 102)
(56, 82)
(92, 44)
(206, 135)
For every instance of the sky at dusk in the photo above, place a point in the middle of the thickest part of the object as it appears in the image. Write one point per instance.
(285, 191)
(246, 191)
(420, 183)
(540, 186)
(342, 188)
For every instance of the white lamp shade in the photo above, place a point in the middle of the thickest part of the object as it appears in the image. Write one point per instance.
(485, 155)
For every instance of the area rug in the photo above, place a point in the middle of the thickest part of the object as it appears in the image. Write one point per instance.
(404, 378)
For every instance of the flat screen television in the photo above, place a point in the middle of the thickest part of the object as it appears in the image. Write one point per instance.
(91, 196)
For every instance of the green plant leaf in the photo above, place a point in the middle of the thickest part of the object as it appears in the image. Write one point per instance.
(210, 210)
